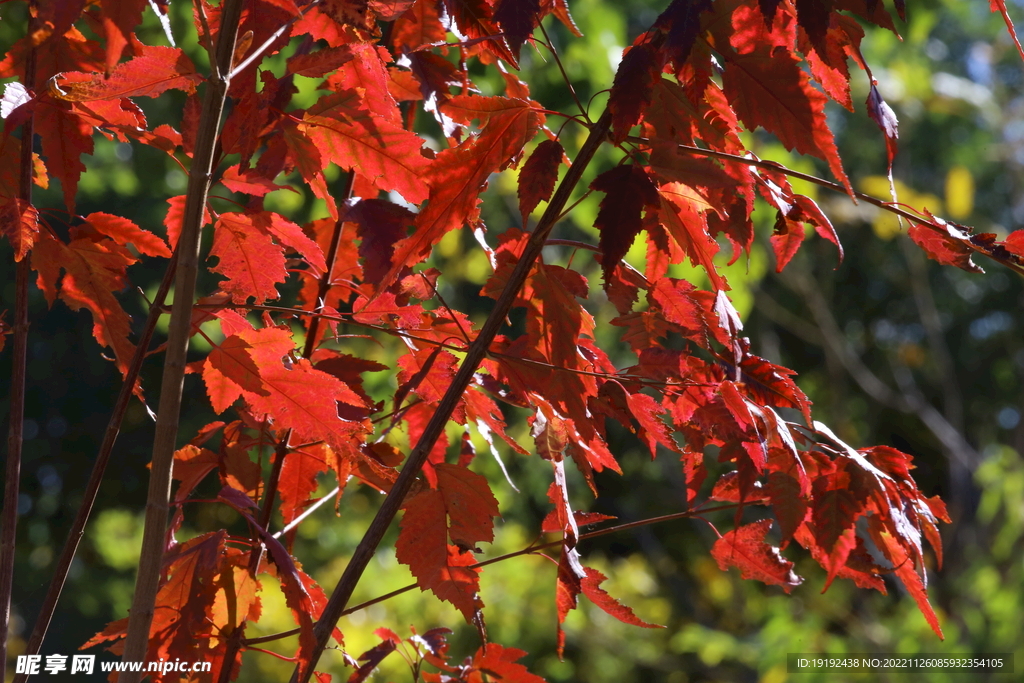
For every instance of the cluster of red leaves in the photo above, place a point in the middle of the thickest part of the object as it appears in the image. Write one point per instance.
(684, 92)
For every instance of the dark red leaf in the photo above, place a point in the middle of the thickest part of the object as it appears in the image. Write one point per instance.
(638, 71)
(517, 19)
(628, 191)
(949, 249)
(538, 175)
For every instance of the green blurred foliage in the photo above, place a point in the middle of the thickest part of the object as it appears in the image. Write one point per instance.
(954, 81)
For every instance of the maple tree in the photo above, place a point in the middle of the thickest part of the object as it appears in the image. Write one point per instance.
(280, 372)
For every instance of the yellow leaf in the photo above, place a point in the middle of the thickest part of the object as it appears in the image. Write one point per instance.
(959, 192)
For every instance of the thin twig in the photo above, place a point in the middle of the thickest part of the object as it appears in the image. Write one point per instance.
(308, 511)
(331, 257)
(528, 550)
(565, 77)
(344, 318)
(258, 52)
(884, 205)
(99, 468)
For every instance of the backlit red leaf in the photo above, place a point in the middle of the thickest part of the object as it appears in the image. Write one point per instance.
(949, 249)
(348, 134)
(249, 259)
(19, 222)
(591, 586)
(155, 70)
(745, 549)
(93, 271)
(437, 528)
(458, 174)
(123, 231)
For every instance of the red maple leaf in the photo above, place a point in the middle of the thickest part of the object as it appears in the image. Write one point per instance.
(344, 129)
(151, 72)
(250, 259)
(745, 549)
(949, 249)
(628, 191)
(460, 510)
(458, 174)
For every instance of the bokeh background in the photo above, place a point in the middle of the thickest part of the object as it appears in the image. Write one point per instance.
(892, 349)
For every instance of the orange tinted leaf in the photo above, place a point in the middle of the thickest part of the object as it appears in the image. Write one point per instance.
(124, 231)
(427, 372)
(229, 370)
(93, 271)
(249, 259)
(299, 479)
(175, 215)
(65, 137)
(347, 134)
(420, 25)
(155, 70)
(19, 222)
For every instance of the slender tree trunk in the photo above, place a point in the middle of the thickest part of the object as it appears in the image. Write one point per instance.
(67, 556)
(164, 442)
(15, 436)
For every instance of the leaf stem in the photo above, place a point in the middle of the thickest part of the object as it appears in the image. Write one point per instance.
(565, 77)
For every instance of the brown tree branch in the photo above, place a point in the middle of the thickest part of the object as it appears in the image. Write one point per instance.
(99, 467)
(165, 439)
(474, 355)
(15, 434)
